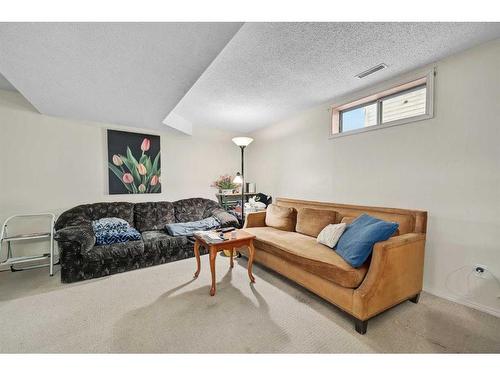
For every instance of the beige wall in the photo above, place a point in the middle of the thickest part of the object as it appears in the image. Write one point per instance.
(52, 164)
(449, 166)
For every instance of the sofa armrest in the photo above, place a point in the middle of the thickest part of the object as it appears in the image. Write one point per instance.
(82, 235)
(255, 219)
(225, 218)
(395, 274)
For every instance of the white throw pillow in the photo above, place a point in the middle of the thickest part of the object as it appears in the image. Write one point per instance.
(330, 234)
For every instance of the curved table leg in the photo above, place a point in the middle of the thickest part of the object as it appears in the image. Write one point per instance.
(213, 254)
(197, 255)
(231, 262)
(251, 250)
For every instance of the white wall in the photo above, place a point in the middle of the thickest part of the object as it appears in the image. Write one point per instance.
(449, 166)
(52, 164)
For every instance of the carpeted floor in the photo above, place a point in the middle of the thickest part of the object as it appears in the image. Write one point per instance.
(163, 310)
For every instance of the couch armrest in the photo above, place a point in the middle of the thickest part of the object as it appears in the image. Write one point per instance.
(226, 219)
(82, 235)
(255, 219)
(395, 274)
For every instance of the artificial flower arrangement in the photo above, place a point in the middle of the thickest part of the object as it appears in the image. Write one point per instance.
(138, 176)
(225, 184)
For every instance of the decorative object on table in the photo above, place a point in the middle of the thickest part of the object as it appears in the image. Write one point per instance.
(134, 163)
(225, 184)
(11, 260)
(216, 243)
(251, 187)
(242, 142)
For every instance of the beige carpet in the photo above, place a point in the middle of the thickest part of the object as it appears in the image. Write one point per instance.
(162, 309)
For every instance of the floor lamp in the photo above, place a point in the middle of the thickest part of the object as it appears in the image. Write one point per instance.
(242, 142)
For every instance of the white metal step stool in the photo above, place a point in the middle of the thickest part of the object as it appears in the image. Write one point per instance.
(12, 261)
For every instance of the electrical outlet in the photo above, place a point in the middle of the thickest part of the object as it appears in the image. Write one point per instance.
(480, 270)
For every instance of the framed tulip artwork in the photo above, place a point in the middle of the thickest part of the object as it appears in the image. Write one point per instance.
(134, 165)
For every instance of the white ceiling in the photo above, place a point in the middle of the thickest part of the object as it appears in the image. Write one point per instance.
(268, 71)
(212, 74)
(125, 73)
(5, 85)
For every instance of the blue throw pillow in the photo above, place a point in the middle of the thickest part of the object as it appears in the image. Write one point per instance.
(109, 223)
(111, 236)
(187, 229)
(356, 243)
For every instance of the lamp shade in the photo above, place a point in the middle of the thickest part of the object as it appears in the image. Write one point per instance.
(242, 141)
(238, 179)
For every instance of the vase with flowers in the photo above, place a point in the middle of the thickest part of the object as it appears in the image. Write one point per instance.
(225, 184)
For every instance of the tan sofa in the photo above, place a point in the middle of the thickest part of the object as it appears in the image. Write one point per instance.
(391, 275)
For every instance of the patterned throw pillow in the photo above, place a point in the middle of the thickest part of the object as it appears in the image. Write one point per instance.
(108, 237)
(330, 234)
(109, 223)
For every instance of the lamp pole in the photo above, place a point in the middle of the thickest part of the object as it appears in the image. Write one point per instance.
(242, 142)
(242, 185)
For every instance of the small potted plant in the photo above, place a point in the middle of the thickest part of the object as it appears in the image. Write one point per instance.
(225, 184)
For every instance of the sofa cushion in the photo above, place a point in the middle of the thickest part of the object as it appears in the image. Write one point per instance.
(159, 242)
(356, 244)
(347, 219)
(153, 215)
(283, 218)
(313, 257)
(311, 221)
(193, 209)
(84, 214)
(115, 252)
(122, 210)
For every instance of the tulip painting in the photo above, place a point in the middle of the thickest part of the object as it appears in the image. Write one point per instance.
(133, 163)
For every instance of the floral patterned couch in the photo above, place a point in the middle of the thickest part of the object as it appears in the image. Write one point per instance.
(81, 259)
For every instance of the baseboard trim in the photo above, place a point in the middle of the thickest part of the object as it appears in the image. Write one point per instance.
(475, 306)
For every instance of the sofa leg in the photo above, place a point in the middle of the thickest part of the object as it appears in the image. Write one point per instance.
(415, 299)
(360, 326)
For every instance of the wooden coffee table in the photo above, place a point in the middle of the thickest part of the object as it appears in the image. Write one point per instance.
(240, 238)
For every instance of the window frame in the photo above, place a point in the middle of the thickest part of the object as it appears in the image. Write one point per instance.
(377, 95)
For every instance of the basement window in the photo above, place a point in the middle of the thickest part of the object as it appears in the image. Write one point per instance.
(401, 104)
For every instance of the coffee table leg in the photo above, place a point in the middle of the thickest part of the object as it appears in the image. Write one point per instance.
(197, 255)
(213, 254)
(231, 262)
(250, 261)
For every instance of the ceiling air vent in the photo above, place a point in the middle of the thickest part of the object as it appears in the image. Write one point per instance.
(372, 70)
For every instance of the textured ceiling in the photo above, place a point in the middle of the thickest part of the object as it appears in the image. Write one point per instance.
(125, 73)
(212, 74)
(269, 71)
(5, 85)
